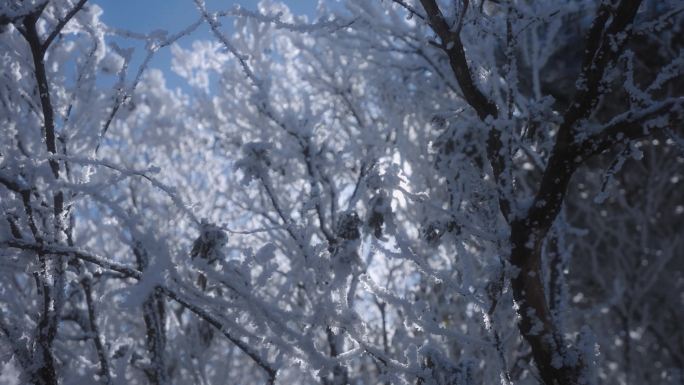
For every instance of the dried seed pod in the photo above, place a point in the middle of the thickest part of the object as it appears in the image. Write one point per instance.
(348, 226)
(209, 243)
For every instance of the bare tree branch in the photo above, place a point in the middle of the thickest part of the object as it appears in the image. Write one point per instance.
(485, 108)
(60, 25)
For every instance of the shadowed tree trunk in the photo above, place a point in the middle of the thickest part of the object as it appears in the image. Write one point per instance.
(606, 36)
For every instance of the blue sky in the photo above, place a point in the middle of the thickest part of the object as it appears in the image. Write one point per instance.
(173, 15)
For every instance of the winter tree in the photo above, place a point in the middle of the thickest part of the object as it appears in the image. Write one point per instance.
(393, 192)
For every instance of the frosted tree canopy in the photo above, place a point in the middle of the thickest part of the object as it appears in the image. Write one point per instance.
(424, 192)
